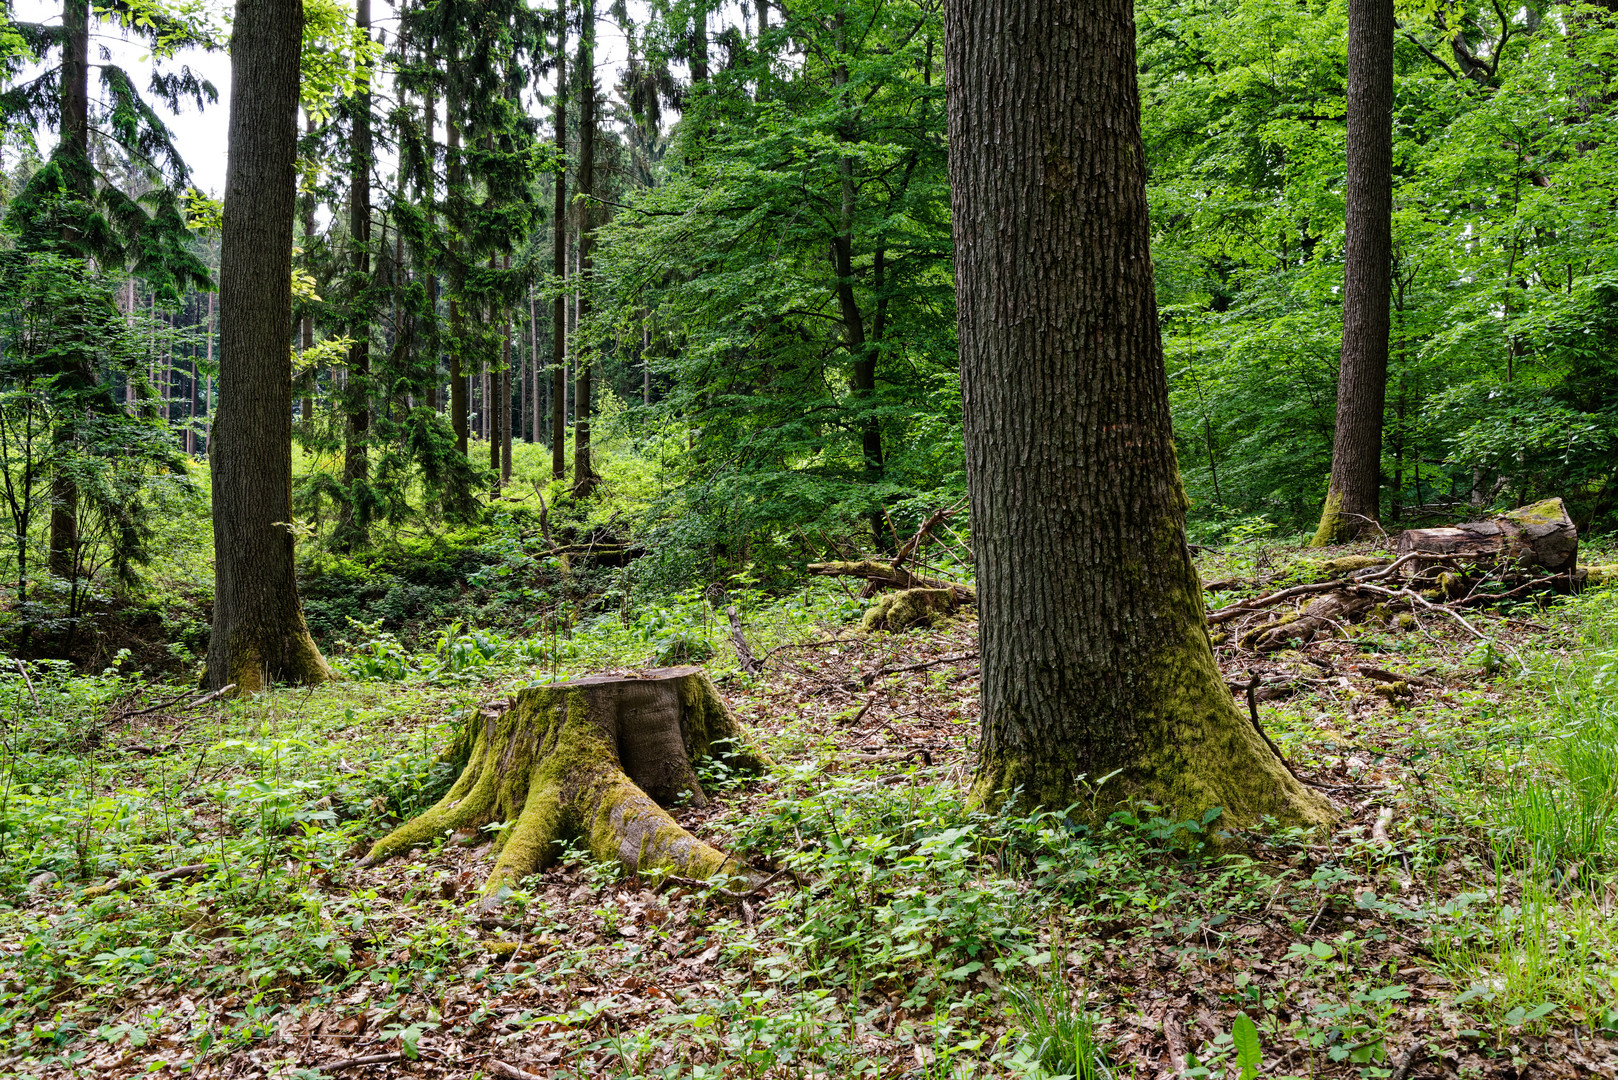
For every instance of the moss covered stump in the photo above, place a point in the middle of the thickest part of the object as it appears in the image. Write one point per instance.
(597, 760)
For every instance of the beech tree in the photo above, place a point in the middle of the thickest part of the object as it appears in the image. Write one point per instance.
(1353, 498)
(259, 635)
(1096, 664)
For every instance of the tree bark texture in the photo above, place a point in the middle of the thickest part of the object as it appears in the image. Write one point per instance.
(584, 477)
(259, 634)
(1352, 499)
(1540, 537)
(596, 759)
(559, 261)
(354, 514)
(455, 181)
(1099, 683)
(73, 157)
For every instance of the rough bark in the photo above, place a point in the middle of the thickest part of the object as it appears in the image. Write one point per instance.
(597, 759)
(73, 156)
(584, 477)
(559, 261)
(353, 521)
(457, 375)
(1096, 664)
(1352, 499)
(1541, 537)
(258, 630)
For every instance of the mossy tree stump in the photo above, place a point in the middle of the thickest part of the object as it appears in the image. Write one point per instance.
(596, 759)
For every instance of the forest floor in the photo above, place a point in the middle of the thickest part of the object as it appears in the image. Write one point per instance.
(1456, 923)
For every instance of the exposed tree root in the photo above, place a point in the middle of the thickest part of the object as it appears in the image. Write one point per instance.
(596, 759)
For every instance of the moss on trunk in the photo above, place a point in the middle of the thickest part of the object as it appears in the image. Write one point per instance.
(597, 760)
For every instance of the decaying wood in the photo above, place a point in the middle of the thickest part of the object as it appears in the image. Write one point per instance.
(128, 883)
(1541, 535)
(886, 575)
(738, 641)
(1437, 571)
(597, 759)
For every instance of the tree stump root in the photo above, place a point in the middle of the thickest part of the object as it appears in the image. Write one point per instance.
(596, 759)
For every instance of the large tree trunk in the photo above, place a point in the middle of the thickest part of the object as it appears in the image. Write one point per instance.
(1096, 664)
(354, 515)
(258, 629)
(73, 157)
(584, 477)
(1352, 500)
(595, 759)
(559, 260)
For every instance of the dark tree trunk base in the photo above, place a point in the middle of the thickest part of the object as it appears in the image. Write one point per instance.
(595, 759)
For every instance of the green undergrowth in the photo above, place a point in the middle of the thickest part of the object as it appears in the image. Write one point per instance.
(1473, 917)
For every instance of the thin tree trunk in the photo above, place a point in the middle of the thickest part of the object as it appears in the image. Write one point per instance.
(505, 393)
(457, 377)
(1099, 684)
(559, 262)
(354, 515)
(584, 478)
(207, 388)
(1352, 500)
(533, 340)
(258, 630)
(308, 337)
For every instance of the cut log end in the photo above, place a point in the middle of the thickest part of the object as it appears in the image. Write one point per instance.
(1541, 535)
(597, 759)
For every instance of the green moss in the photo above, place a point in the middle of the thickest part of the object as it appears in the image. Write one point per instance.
(1333, 526)
(912, 607)
(549, 768)
(1194, 750)
(1544, 512)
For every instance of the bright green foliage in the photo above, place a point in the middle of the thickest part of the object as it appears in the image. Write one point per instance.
(1503, 296)
(59, 420)
(792, 261)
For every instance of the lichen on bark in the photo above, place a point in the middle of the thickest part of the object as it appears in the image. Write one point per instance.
(596, 760)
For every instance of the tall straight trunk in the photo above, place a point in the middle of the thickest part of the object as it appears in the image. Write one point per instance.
(862, 375)
(1099, 684)
(584, 477)
(559, 262)
(457, 377)
(73, 155)
(505, 394)
(207, 386)
(1352, 500)
(307, 342)
(429, 115)
(259, 634)
(699, 41)
(354, 513)
(533, 340)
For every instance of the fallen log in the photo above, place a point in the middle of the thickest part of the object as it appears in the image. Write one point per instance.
(1541, 535)
(886, 575)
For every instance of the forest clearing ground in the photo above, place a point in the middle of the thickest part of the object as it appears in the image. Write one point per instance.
(1401, 947)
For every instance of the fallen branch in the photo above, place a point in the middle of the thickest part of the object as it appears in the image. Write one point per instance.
(693, 883)
(1417, 598)
(23, 669)
(373, 1059)
(873, 676)
(744, 653)
(125, 884)
(885, 575)
(1252, 711)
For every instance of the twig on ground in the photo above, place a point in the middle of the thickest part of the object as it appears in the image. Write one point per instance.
(1252, 711)
(873, 676)
(353, 1063)
(511, 1072)
(125, 884)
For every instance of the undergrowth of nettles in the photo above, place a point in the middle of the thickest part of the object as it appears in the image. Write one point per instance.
(1459, 921)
